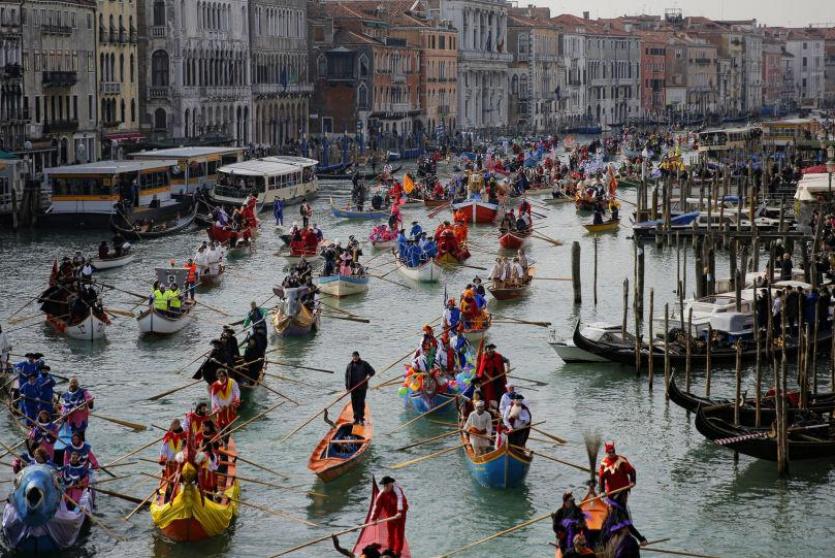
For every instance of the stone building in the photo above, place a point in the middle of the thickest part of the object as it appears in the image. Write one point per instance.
(194, 70)
(483, 60)
(59, 76)
(572, 69)
(12, 117)
(118, 79)
(614, 76)
(653, 73)
(281, 87)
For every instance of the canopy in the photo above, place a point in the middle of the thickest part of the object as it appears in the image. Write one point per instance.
(812, 184)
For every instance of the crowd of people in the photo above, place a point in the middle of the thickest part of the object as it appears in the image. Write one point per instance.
(508, 273)
(72, 295)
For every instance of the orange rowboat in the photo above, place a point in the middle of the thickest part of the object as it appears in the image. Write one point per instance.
(595, 511)
(343, 446)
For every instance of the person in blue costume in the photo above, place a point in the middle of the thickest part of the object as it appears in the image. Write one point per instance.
(45, 384)
(402, 244)
(30, 397)
(415, 231)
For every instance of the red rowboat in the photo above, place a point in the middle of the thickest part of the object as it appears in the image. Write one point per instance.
(376, 533)
(223, 234)
(514, 240)
(475, 211)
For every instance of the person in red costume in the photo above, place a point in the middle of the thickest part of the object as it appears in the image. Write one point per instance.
(438, 191)
(391, 502)
(492, 371)
(615, 472)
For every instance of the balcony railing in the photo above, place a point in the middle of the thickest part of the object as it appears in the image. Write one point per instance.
(12, 71)
(398, 78)
(158, 92)
(56, 29)
(400, 107)
(60, 126)
(59, 79)
(158, 31)
(110, 88)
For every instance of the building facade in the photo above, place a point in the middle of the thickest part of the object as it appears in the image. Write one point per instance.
(772, 68)
(534, 43)
(118, 77)
(653, 74)
(572, 70)
(59, 76)
(701, 77)
(281, 87)
(613, 60)
(807, 62)
(13, 120)
(194, 70)
(483, 60)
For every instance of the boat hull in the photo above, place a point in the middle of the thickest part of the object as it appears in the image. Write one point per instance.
(609, 226)
(349, 214)
(383, 244)
(570, 354)
(152, 321)
(331, 466)
(502, 468)
(112, 263)
(343, 285)
(296, 326)
(475, 211)
(513, 241)
(89, 329)
(429, 272)
(423, 403)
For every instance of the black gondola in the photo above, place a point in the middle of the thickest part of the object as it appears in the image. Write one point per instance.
(124, 226)
(809, 440)
(725, 355)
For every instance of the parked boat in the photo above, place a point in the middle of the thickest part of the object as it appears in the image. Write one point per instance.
(184, 514)
(121, 224)
(475, 211)
(36, 519)
(609, 226)
(352, 214)
(112, 263)
(343, 285)
(343, 447)
(427, 272)
(376, 532)
(571, 354)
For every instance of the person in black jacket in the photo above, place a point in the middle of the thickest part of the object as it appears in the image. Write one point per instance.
(357, 374)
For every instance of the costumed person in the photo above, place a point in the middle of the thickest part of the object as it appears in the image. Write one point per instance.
(195, 419)
(226, 398)
(507, 397)
(452, 315)
(44, 434)
(492, 372)
(479, 426)
(278, 211)
(75, 478)
(568, 522)
(391, 502)
(85, 452)
(615, 473)
(516, 420)
(497, 274)
(76, 404)
(173, 443)
(46, 393)
(357, 374)
(29, 395)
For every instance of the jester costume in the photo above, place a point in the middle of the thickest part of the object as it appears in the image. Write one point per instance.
(226, 397)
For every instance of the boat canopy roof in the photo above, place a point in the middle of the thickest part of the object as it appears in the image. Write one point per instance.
(186, 152)
(109, 167)
(269, 166)
(811, 185)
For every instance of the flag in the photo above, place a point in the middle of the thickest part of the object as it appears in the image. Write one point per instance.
(479, 365)
(408, 184)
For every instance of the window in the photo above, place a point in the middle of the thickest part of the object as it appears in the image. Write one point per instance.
(91, 111)
(322, 64)
(37, 109)
(75, 107)
(131, 68)
(159, 13)
(121, 67)
(362, 96)
(363, 66)
(160, 119)
(159, 69)
(133, 111)
(89, 21)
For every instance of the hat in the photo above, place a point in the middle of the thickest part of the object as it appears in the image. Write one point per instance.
(414, 222)
(37, 355)
(386, 480)
(29, 355)
(517, 397)
(372, 550)
(567, 495)
(490, 346)
(609, 447)
(45, 368)
(509, 384)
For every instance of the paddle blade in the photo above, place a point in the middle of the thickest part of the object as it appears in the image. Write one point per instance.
(593, 442)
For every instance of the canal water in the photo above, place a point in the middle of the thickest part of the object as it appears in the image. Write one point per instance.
(689, 490)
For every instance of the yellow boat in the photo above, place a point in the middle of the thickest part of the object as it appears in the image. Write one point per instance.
(608, 226)
(191, 516)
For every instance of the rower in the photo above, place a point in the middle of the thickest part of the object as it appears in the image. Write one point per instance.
(391, 503)
(172, 297)
(46, 383)
(492, 371)
(479, 426)
(568, 523)
(173, 443)
(357, 375)
(30, 397)
(44, 433)
(78, 446)
(226, 398)
(231, 343)
(76, 404)
(104, 250)
(75, 478)
(196, 418)
(516, 420)
(253, 360)
(452, 315)
(507, 397)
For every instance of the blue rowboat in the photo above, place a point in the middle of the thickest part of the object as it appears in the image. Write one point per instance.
(423, 403)
(502, 468)
(350, 214)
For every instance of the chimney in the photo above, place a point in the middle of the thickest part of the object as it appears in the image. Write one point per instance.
(530, 11)
(585, 15)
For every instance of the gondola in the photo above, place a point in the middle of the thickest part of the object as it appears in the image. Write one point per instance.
(811, 440)
(505, 467)
(326, 171)
(513, 240)
(513, 293)
(624, 353)
(191, 516)
(351, 214)
(303, 322)
(132, 232)
(595, 511)
(376, 533)
(423, 403)
(343, 447)
(609, 226)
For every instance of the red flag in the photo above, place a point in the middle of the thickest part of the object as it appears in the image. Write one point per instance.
(479, 360)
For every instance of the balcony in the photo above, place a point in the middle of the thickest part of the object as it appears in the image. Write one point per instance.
(110, 88)
(341, 76)
(398, 78)
(276, 89)
(59, 79)
(56, 126)
(482, 56)
(159, 32)
(158, 92)
(56, 29)
(400, 107)
(12, 71)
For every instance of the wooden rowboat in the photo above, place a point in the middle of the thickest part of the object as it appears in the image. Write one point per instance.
(304, 322)
(343, 285)
(190, 516)
(423, 403)
(376, 533)
(609, 226)
(154, 321)
(475, 211)
(428, 272)
(505, 467)
(332, 457)
(90, 328)
(351, 214)
(513, 240)
(112, 263)
(430, 203)
(512, 293)
(596, 511)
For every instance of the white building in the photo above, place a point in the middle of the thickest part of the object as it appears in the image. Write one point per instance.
(807, 66)
(483, 60)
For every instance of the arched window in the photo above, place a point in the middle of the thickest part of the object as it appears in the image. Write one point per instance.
(363, 66)
(514, 85)
(322, 62)
(133, 111)
(160, 119)
(121, 67)
(362, 97)
(122, 111)
(187, 122)
(159, 68)
(159, 12)
(131, 68)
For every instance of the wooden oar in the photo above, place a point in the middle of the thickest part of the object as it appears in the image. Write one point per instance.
(531, 380)
(524, 524)
(175, 390)
(277, 513)
(256, 465)
(546, 238)
(221, 312)
(328, 537)
(281, 487)
(294, 381)
(246, 423)
(340, 310)
(132, 499)
(420, 416)
(429, 440)
(96, 521)
(439, 209)
(675, 552)
(525, 322)
(537, 278)
(28, 302)
(15, 321)
(548, 457)
(348, 319)
(551, 436)
(120, 312)
(127, 424)
(280, 363)
(134, 452)
(144, 502)
(403, 464)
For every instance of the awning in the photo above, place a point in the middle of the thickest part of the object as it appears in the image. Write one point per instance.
(124, 136)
